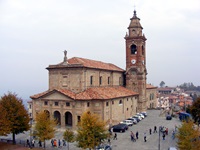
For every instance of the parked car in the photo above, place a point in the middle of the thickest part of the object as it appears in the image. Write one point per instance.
(144, 113)
(168, 117)
(136, 117)
(141, 115)
(133, 120)
(120, 127)
(104, 147)
(172, 148)
(128, 122)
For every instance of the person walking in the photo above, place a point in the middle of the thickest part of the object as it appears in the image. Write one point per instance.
(145, 137)
(155, 129)
(115, 136)
(64, 142)
(150, 131)
(59, 143)
(33, 143)
(27, 143)
(40, 143)
(52, 142)
(137, 135)
(163, 136)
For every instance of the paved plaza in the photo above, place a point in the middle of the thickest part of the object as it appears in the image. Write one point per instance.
(124, 142)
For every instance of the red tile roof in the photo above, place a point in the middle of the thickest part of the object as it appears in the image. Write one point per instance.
(149, 86)
(94, 93)
(105, 93)
(83, 62)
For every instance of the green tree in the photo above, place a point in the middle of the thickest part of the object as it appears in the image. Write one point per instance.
(69, 136)
(91, 131)
(195, 110)
(162, 84)
(15, 113)
(44, 127)
(188, 136)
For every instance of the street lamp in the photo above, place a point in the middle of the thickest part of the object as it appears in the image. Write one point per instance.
(31, 120)
(159, 138)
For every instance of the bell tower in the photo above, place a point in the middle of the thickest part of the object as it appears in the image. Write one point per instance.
(136, 61)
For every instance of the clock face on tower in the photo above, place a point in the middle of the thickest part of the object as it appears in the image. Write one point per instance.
(133, 61)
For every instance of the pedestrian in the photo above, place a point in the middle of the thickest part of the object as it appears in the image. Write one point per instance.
(137, 135)
(155, 129)
(59, 143)
(133, 137)
(109, 141)
(150, 131)
(55, 143)
(166, 131)
(27, 143)
(33, 143)
(175, 128)
(145, 137)
(52, 142)
(115, 136)
(40, 143)
(64, 142)
(163, 136)
(173, 134)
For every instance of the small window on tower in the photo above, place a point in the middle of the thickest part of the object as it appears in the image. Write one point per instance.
(133, 49)
(142, 49)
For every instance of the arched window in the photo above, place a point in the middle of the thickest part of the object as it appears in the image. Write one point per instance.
(133, 49)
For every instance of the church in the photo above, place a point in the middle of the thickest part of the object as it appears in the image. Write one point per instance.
(79, 84)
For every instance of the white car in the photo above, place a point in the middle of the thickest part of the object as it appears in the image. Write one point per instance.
(128, 122)
(141, 115)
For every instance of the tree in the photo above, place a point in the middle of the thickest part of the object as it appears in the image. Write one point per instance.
(4, 122)
(17, 118)
(195, 109)
(69, 136)
(188, 136)
(44, 127)
(162, 84)
(91, 131)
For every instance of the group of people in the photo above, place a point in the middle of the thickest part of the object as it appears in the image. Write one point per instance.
(59, 143)
(134, 136)
(31, 144)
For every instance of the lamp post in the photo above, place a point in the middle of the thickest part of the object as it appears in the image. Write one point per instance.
(30, 132)
(159, 138)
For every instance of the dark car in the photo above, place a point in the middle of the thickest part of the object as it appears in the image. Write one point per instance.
(138, 120)
(168, 117)
(120, 128)
(104, 147)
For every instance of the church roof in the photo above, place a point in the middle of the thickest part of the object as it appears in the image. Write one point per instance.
(88, 63)
(94, 93)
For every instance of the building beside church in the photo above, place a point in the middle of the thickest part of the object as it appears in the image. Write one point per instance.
(79, 84)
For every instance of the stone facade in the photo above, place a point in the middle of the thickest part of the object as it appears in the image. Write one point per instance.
(77, 85)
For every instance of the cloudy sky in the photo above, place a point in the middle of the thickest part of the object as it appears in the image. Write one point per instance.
(34, 34)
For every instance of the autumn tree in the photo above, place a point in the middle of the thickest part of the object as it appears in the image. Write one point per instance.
(68, 136)
(91, 131)
(15, 115)
(4, 122)
(188, 136)
(44, 127)
(195, 110)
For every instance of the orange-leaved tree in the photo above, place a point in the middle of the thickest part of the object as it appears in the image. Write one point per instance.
(91, 131)
(17, 118)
